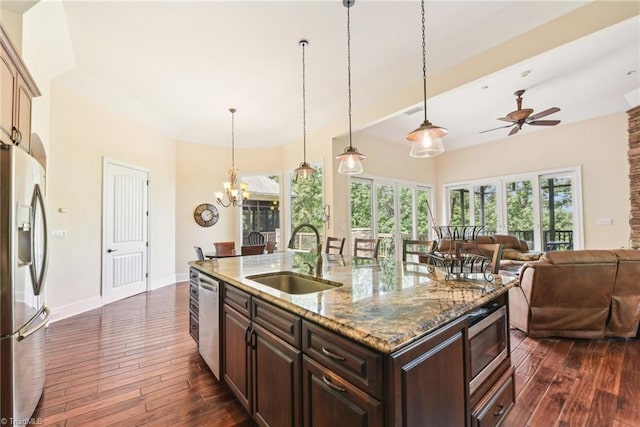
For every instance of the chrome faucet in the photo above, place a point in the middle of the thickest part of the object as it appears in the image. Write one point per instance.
(318, 246)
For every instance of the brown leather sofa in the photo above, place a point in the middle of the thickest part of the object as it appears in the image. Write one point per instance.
(515, 252)
(579, 294)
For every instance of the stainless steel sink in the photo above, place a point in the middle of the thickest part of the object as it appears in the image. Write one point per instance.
(294, 283)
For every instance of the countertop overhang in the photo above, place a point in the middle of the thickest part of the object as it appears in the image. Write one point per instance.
(383, 304)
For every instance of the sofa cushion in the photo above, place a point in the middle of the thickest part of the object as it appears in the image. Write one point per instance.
(509, 242)
(514, 255)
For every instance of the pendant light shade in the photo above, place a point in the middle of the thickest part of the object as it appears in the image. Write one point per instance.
(304, 170)
(426, 140)
(351, 159)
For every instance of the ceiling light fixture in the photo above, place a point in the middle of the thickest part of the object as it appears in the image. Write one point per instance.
(235, 193)
(304, 170)
(351, 159)
(426, 140)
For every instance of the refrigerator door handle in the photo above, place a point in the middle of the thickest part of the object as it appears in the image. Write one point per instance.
(37, 277)
(26, 331)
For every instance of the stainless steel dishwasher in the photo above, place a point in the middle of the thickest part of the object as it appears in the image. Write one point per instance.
(209, 322)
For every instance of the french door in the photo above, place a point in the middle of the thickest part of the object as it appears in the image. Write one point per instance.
(389, 211)
(544, 208)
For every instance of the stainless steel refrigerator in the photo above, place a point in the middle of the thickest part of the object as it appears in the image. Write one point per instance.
(23, 265)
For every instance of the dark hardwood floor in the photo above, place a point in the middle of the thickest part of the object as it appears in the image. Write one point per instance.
(134, 363)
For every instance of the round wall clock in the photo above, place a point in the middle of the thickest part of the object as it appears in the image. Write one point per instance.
(206, 214)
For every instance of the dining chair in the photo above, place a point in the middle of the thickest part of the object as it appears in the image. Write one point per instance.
(336, 243)
(417, 250)
(252, 250)
(199, 253)
(225, 248)
(270, 247)
(256, 238)
(491, 251)
(366, 248)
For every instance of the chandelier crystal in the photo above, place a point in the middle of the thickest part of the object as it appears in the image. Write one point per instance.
(234, 192)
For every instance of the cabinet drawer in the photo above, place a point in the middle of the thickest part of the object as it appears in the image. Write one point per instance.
(493, 408)
(281, 323)
(236, 298)
(193, 326)
(356, 363)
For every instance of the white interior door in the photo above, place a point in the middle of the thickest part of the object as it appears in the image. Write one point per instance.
(125, 251)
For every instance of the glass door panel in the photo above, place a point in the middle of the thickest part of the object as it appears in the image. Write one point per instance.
(306, 208)
(520, 209)
(424, 214)
(556, 204)
(485, 208)
(406, 212)
(261, 212)
(361, 192)
(459, 207)
(386, 219)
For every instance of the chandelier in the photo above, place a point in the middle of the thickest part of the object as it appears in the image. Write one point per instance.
(235, 193)
(426, 139)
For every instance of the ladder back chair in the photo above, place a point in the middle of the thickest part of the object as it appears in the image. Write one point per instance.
(417, 250)
(199, 253)
(336, 244)
(366, 248)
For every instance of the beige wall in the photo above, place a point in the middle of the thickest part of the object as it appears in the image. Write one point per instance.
(200, 172)
(598, 146)
(82, 133)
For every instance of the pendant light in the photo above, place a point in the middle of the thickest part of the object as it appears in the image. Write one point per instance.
(426, 140)
(235, 193)
(351, 159)
(304, 170)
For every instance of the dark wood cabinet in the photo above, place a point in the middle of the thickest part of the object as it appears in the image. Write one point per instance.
(17, 89)
(330, 400)
(276, 380)
(260, 365)
(236, 330)
(429, 380)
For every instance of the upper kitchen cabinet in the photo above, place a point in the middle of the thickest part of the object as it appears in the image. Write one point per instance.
(17, 89)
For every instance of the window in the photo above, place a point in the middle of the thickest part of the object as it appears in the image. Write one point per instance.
(306, 207)
(262, 211)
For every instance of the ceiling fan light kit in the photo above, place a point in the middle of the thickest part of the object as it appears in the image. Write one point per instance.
(524, 116)
(426, 140)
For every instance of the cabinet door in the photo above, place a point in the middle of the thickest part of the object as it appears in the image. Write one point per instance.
(7, 92)
(329, 400)
(236, 354)
(276, 380)
(430, 380)
(23, 114)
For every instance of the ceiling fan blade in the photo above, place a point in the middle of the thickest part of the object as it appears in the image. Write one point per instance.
(544, 113)
(544, 123)
(514, 130)
(507, 119)
(501, 127)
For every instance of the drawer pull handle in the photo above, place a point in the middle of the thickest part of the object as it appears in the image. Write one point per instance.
(332, 355)
(500, 412)
(333, 386)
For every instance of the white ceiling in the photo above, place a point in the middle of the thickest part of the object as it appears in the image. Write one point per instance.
(179, 65)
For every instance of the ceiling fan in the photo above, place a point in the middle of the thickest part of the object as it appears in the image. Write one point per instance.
(523, 116)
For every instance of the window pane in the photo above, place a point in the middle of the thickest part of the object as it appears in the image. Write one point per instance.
(459, 206)
(361, 209)
(386, 219)
(306, 208)
(557, 213)
(520, 221)
(262, 211)
(485, 208)
(423, 220)
(406, 212)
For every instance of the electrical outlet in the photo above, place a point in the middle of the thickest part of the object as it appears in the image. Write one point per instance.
(604, 221)
(58, 234)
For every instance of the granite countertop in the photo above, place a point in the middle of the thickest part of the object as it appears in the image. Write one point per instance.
(382, 304)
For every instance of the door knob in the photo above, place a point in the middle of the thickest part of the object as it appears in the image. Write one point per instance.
(111, 250)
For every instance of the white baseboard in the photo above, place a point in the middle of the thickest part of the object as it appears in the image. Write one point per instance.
(68, 310)
(182, 277)
(161, 282)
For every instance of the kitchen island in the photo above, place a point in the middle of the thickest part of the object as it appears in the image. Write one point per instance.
(393, 345)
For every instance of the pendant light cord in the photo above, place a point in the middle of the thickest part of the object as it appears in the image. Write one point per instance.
(304, 106)
(233, 166)
(424, 64)
(349, 68)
